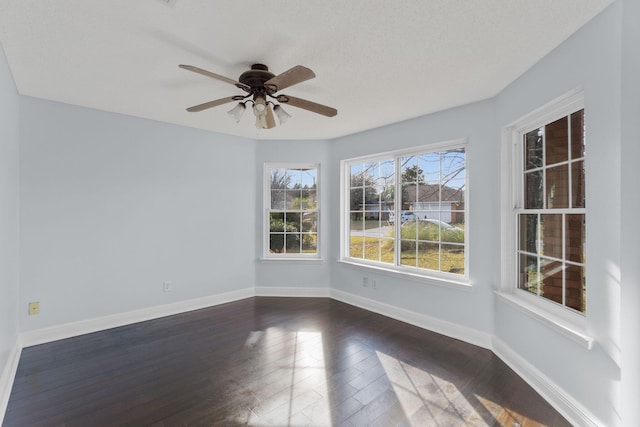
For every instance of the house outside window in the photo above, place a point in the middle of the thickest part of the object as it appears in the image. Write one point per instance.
(550, 205)
(291, 211)
(406, 211)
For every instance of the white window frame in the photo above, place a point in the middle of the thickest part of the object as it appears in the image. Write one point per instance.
(296, 257)
(414, 273)
(565, 320)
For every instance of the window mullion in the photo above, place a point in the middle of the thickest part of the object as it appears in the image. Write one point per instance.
(538, 255)
(564, 257)
(570, 165)
(544, 167)
(398, 212)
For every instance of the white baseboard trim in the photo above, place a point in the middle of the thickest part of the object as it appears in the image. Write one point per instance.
(68, 330)
(573, 411)
(6, 380)
(293, 292)
(453, 330)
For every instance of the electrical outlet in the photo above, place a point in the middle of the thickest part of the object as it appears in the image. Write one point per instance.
(34, 308)
(166, 287)
(365, 282)
(374, 285)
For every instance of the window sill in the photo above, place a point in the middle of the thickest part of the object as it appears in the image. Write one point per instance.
(291, 260)
(571, 330)
(431, 280)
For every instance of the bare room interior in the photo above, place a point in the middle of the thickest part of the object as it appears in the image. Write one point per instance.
(319, 213)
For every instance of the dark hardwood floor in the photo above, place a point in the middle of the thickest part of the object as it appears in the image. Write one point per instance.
(270, 361)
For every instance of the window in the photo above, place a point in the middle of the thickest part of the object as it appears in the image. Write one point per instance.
(291, 211)
(550, 206)
(407, 211)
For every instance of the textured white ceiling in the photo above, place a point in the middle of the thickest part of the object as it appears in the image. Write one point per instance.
(377, 62)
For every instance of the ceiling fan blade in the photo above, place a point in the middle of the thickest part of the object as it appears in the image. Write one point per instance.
(214, 75)
(210, 104)
(290, 77)
(271, 121)
(307, 105)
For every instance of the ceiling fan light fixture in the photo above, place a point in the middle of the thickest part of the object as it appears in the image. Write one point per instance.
(283, 116)
(237, 111)
(260, 111)
(261, 122)
(260, 105)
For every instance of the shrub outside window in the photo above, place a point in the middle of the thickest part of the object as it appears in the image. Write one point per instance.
(550, 212)
(407, 210)
(292, 209)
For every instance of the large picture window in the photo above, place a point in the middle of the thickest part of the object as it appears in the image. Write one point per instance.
(550, 213)
(291, 211)
(407, 210)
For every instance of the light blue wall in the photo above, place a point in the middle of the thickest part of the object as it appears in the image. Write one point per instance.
(470, 308)
(591, 60)
(9, 193)
(630, 207)
(112, 206)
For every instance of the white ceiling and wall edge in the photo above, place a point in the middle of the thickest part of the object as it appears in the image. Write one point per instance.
(377, 62)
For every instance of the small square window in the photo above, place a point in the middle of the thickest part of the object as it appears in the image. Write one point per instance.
(291, 211)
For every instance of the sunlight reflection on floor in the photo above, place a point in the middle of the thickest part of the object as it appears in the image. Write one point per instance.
(427, 398)
(292, 390)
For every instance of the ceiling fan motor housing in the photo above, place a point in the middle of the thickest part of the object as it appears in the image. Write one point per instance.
(256, 77)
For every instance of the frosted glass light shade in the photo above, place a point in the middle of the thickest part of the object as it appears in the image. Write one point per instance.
(283, 116)
(237, 111)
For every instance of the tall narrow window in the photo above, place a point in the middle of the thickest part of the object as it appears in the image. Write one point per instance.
(406, 210)
(291, 211)
(372, 210)
(433, 186)
(550, 215)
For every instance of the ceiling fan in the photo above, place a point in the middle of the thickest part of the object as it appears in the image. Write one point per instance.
(260, 84)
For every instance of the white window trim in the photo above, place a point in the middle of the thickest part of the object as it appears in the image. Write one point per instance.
(409, 275)
(268, 257)
(421, 275)
(565, 321)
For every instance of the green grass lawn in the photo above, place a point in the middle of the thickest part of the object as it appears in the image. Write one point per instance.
(374, 249)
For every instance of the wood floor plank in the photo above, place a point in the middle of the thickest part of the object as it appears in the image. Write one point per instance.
(270, 361)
